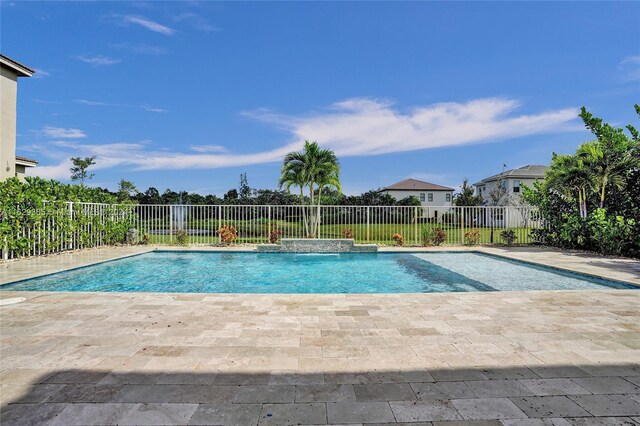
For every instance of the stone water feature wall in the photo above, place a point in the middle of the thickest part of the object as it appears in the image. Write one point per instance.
(302, 245)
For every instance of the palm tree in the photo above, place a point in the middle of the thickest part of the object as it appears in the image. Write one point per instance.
(313, 168)
(571, 173)
(606, 167)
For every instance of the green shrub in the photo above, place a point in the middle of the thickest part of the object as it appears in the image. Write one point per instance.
(508, 236)
(182, 238)
(433, 236)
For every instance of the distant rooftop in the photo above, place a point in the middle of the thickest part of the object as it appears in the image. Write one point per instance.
(20, 69)
(530, 171)
(416, 185)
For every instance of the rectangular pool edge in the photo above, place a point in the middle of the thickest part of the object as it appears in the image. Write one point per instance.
(618, 284)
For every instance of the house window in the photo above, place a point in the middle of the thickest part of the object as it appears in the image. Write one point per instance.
(422, 196)
(430, 197)
(516, 186)
(448, 198)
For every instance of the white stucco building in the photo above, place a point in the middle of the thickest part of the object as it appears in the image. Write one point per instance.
(10, 164)
(433, 196)
(512, 181)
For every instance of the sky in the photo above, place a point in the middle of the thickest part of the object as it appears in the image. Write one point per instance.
(189, 95)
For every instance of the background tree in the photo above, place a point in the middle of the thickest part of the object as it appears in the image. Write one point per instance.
(80, 167)
(244, 190)
(466, 196)
(126, 190)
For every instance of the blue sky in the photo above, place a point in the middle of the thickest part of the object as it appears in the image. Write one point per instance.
(190, 95)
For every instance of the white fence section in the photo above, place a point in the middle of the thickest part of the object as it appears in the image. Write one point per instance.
(81, 225)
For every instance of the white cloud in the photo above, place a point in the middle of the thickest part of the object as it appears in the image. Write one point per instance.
(40, 73)
(148, 24)
(372, 127)
(208, 148)
(141, 48)
(196, 21)
(99, 103)
(629, 69)
(355, 127)
(61, 132)
(98, 60)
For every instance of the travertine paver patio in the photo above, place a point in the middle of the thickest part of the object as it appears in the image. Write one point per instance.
(511, 358)
(113, 358)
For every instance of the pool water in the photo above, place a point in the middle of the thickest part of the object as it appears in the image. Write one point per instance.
(227, 272)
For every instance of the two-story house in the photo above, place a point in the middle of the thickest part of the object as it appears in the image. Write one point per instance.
(432, 197)
(511, 182)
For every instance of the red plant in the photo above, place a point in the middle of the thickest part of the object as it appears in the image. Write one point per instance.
(228, 234)
(398, 238)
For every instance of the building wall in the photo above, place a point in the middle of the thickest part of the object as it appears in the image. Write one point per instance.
(8, 94)
(439, 200)
(20, 171)
(513, 197)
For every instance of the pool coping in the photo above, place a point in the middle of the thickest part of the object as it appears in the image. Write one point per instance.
(249, 249)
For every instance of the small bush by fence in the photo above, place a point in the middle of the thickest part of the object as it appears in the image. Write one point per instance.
(58, 227)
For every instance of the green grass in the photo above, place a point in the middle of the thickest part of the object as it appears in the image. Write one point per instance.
(257, 232)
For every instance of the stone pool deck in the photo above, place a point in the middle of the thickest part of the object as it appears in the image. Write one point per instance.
(506, 358)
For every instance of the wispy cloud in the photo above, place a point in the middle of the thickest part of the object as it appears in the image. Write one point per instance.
(107, 104)
(98, 60)
(372, 127)
(40, 73)
(629, 69)
(208, 148)
(141, 48)
(354, 127)
(196, 21)
(62, 133)
(148, 24)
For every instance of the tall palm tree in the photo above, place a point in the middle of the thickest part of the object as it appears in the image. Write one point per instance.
(570, 173)
(607, 166)
(312, 168)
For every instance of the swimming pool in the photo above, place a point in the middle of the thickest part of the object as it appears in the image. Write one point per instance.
(229, 272)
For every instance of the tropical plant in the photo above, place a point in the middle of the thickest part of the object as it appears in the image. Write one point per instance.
(591, 199)
(471, 238)
(228, 234)
(315, 169)
(508, 236)
(398, 239)
(433, 236)
(274, 236)
(182, 238)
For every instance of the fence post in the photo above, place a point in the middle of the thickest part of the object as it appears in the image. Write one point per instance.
(462, 226)
(219, 222)
(415, 222)
(70, 205)
(269, 223)
(368, 221)
(170, 224)
(5, 249)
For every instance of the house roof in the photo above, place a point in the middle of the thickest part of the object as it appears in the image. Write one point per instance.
(530, 171)
(20, 69)
(416, 185)
(24, 161)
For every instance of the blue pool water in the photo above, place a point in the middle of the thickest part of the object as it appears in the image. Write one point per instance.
(215, 272)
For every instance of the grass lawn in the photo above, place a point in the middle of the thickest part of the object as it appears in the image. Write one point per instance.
(203, 232)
